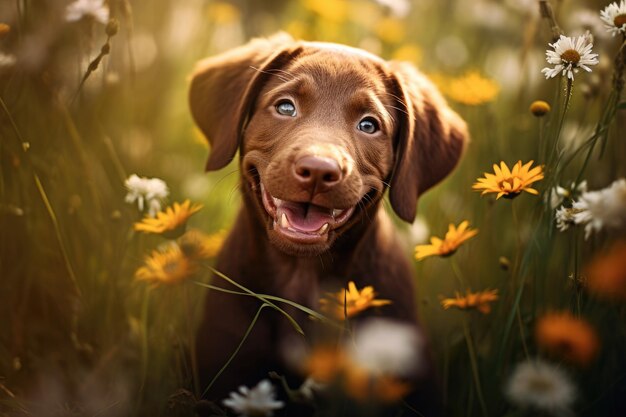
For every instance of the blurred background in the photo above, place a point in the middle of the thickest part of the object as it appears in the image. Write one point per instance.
(77, 336)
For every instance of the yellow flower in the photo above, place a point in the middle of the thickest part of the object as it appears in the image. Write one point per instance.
(539, 108)
(390, 30)
(332, 10)
(568, 337)
(409, 52)
(355, 301)
(509, 183)
(170, 266)
(196, 244)
(364, 386)
(171, 222)
(223, 13)
(472, 89)
(478, 300)
(450, 243)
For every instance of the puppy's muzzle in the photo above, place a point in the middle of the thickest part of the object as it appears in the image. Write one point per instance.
(317, 174)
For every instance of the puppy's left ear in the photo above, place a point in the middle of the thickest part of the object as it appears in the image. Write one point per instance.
(431, 139)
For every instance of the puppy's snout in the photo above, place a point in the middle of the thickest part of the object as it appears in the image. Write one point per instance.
(317, 173)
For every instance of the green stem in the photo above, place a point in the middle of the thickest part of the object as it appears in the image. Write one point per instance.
(230, 359)
(145, 304)
(295, 325)
(266, 297)
(474, 363)
(191, 341)
(458, 275)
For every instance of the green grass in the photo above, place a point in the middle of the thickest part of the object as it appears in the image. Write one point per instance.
(79, 336)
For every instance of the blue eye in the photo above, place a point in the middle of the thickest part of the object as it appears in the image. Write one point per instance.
(286, 108)
(368, 125)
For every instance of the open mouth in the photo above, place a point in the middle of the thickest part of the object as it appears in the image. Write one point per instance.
(303, 222)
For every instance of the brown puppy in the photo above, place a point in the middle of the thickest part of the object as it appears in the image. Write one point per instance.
(323, 130)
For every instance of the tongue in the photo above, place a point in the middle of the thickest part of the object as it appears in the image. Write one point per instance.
(304, 217)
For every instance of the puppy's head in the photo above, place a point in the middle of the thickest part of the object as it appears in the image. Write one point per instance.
(323, 129)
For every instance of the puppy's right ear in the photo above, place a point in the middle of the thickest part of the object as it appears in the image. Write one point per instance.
(223, 90)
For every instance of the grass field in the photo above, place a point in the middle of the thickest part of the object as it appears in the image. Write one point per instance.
(87, 102)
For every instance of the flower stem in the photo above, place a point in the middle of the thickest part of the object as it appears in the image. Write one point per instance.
(243, 339)
(191, 341)
(474, 363)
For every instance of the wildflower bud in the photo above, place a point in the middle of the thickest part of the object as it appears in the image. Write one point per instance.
(112, 27)
(106, 48)
(539, 108)
(93, 65)
(4, 30)
(504, 262)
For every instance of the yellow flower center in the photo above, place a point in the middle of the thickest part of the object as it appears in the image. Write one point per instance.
(571, 55)
(171, 267)
(620, 20)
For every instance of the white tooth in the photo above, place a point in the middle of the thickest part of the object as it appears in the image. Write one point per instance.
(336, 212)
(276, 201)
(284, 223)
(323, 229)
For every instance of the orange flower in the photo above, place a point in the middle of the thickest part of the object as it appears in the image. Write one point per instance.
(509, 183)
(568, 337)
(450, 243)
(325, 363)
(606, 273)
(350, 302)
(478, 300)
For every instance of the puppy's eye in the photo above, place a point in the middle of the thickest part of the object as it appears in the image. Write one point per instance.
(368, 125)
(286, 108)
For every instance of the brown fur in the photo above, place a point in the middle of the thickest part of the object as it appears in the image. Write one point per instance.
(233, 100)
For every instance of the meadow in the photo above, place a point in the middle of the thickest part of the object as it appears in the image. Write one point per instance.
(526, 315)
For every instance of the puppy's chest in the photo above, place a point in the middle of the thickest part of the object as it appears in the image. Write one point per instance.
(299, 283)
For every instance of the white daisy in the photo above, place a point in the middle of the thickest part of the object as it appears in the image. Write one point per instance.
(602, 208)
(256, 402)
(87, 8)
(614, 18)
(565, 217)
(385, 347)
(148, 192)
(558, 194)
(569, 55)
(537, 384)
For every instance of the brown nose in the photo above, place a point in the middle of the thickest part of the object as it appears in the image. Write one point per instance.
(317, 173)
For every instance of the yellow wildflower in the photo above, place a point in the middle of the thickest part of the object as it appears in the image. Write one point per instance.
(171, 222)
(509, 183)
(478, 300)
(539, 108)
(350, 302)
(472, 89)
(332, 10)
(450, 243)
(170, 266)
(196, 244)
(223, 13)
(568, 337)
(409, 52)
(390, 30)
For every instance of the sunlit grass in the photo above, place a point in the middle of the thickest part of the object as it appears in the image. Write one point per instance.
(82, 336)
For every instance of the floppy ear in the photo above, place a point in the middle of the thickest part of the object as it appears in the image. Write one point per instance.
(431, 139)
(223, 90)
